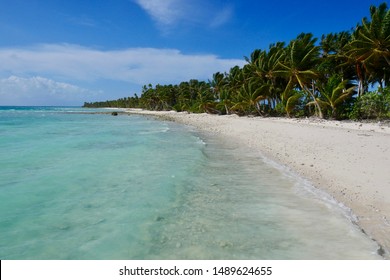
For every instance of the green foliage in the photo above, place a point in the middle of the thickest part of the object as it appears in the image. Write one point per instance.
(335, 93)
(373, 105)
(369, 48)
(301, 78)
(290, 101)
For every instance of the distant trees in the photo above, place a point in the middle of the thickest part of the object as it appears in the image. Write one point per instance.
(126, 102)
(328, 79)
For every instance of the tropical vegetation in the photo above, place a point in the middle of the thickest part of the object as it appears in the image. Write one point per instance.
(342, 75)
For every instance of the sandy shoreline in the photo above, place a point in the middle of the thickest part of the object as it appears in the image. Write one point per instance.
(350, 161)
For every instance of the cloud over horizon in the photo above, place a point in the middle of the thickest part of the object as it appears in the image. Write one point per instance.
(136, 65)
(77, 65)
(37, 90)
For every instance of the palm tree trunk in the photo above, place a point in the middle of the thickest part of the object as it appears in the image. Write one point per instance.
(361, 81)
(227, 110)
(317, 105)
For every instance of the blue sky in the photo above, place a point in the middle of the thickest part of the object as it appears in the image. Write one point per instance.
(65, 52)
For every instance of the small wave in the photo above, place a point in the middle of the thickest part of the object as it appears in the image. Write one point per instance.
(161, 130)
(305, 188)
(200, 141)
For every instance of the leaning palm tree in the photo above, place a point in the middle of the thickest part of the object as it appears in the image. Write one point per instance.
(299, 66)
(370, 47)
(334, 93)
(289, 101)
(249, 97)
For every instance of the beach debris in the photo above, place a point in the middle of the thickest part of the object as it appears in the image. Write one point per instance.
(225, 244)
(160, 218)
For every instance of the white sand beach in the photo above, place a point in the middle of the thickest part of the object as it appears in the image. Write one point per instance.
(348, 160)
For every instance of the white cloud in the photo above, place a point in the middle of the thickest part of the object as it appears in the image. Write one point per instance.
(37, 90)
(137, 65)
(115, 73)
(167, 13)
(222, 16)
(164, 12)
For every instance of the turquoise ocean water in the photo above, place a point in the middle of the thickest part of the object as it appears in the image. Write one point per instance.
(94, 186)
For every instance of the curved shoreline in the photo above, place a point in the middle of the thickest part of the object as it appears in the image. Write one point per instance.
(348, 160)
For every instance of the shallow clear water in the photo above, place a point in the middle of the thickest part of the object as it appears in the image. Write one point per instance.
(94, 186)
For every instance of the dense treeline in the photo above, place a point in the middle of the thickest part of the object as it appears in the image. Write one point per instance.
(328, 78)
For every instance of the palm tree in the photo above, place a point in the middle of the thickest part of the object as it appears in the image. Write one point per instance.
(334, 93)
(218, 85)
(370, 47)
(334, 43)
(235, 79)
(254, 57)
(205, 100)
(333, 58)
(270, 64)
(248, 100)
(299, 66)
(225, 101)
(290, 99)
(262, 66)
